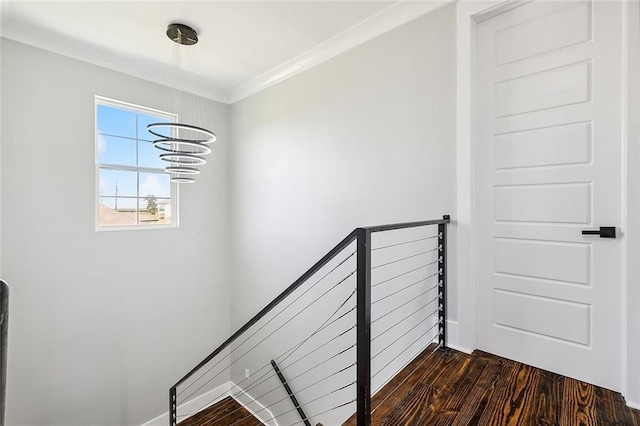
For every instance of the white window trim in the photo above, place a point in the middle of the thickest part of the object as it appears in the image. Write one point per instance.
(174, 188)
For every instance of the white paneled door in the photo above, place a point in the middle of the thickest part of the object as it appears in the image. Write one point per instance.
(548, 135)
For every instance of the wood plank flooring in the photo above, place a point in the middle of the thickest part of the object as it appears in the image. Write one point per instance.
(453, 388)
(224, 413)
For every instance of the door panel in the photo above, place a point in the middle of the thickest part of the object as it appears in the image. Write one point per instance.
(563, 262)
(545, 146)
(548, 165)
(545, 33)
(538, 316)
(543, 90)
(528, 203)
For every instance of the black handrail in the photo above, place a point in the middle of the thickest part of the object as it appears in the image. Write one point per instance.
(315, 268)
(363, 311)
(363, 308)
(403, 225)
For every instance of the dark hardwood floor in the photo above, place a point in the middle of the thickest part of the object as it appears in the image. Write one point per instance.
(453, 388)
(224, 413)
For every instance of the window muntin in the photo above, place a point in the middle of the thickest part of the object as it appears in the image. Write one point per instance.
(133, 191)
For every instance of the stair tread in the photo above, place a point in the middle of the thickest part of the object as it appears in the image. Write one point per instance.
(226, 412)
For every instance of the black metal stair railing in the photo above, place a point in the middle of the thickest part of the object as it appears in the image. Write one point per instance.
(4, 334)
(292, 396)
(340, 332)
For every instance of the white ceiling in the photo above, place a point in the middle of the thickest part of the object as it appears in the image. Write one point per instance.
(245, 46)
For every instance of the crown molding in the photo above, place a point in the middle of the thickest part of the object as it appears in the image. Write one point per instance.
(387, 19)
(393, 16)
(113, 60)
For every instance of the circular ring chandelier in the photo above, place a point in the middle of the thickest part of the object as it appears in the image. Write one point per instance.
(182, 179)
(183, 145)
(211, 137)
(180, 158)
(168, 145)
(183, 170)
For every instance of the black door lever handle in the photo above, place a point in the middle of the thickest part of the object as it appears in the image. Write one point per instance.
(604, 232)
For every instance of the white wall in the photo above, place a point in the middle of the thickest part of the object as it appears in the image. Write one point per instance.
(102, 323)
(366, 138)
(631, 390)
(1, 153)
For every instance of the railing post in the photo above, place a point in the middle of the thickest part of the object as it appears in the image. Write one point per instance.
(292, 397)
(4, 330)
(442, 285)
(363, 328)
(173, 408)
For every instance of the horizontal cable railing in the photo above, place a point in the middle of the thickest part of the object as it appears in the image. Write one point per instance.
(352, 321)
(407, 300)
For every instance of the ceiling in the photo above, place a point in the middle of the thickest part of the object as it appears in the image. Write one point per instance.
(245, 46)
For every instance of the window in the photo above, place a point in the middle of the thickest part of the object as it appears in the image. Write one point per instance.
(133, 191)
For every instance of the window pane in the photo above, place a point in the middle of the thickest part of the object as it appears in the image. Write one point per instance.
(121, 204)
(165, 212)
(154, 211)
(113, 150)
(156, 184)
(118, 211)
(144, 120)
(127, 196)
(118, 182)
(149, 156)
(118, 122)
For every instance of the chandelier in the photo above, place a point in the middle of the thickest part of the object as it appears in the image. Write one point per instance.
(183, 146)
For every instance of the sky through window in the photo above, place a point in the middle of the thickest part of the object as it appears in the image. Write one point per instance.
(133, 188)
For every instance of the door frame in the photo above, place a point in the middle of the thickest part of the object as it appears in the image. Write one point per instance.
(469, 13)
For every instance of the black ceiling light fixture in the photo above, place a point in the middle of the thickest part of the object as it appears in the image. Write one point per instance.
(182, 34)
(183, 145)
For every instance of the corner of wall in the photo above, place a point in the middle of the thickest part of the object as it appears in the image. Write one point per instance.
(252, 405)
(1, 43)
(631, 357)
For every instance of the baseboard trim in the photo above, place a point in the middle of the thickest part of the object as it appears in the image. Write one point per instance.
(196, 404)
(255, 407)
(452, 337)
(635, 405)
(250, 404)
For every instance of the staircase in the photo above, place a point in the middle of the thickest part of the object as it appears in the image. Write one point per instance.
(338, 334)
(223, 413)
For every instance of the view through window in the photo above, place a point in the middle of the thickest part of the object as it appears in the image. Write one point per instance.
(132, 188)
